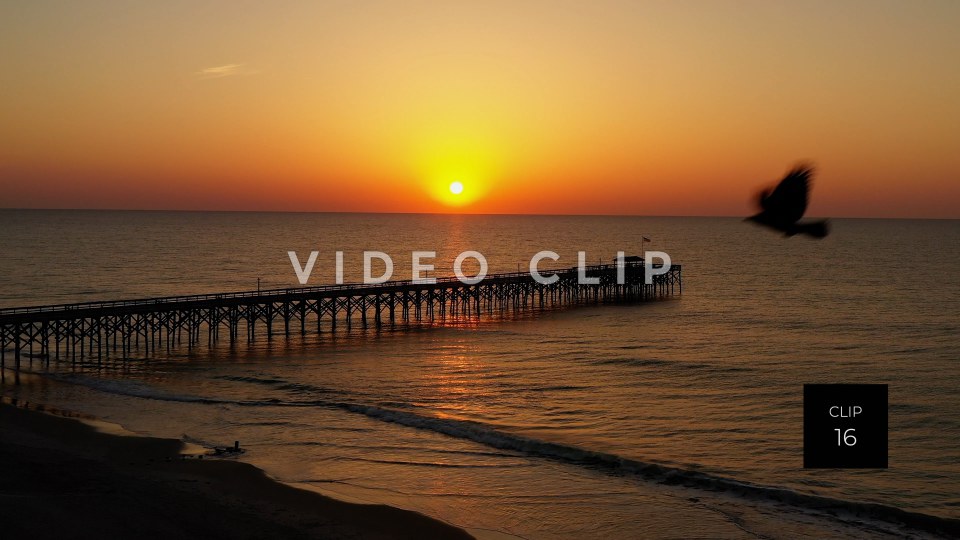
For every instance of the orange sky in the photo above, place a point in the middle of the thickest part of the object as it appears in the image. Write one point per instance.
(657, 108)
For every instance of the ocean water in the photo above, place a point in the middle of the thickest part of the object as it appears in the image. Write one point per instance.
(675, 418)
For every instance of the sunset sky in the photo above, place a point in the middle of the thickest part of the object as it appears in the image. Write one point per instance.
(649, 108)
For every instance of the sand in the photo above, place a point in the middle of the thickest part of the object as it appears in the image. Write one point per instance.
(61, 478)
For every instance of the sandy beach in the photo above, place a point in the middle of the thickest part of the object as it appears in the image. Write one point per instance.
(62, 478)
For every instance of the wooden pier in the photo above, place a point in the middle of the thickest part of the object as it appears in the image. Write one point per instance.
(95, 330)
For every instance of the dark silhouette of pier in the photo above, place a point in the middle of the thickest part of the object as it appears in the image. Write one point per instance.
(84, 330)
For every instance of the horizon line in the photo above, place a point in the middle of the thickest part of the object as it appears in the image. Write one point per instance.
(360, 212)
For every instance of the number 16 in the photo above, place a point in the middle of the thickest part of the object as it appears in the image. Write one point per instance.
(847, 438)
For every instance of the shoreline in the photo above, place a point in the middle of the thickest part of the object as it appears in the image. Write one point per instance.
(43, 444)
(64, 478)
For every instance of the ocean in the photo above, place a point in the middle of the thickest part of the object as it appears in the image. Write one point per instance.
(673, 418)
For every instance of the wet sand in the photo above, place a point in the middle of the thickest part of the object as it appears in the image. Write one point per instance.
(61, 478)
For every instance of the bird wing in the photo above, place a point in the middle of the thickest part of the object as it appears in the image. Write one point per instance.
(788, 201)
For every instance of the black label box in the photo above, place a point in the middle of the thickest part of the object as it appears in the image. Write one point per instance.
(844, 426)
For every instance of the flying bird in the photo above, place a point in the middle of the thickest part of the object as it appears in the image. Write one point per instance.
(783, 206)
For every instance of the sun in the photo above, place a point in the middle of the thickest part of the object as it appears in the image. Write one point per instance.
(457, 189)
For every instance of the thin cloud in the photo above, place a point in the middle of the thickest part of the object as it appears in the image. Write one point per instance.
(227, 70)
